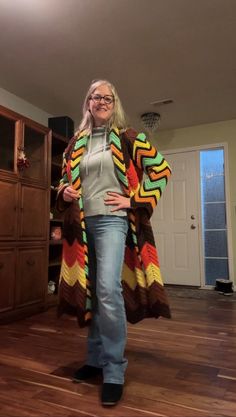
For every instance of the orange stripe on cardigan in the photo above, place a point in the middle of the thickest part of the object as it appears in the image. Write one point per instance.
(144, 153)
(117, 152)
(73, 253)
(159, 175)
(77, 153)
(145, 199)
(77, 184)
(149, 255)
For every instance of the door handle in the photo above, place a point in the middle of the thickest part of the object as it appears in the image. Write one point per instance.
(192, 226)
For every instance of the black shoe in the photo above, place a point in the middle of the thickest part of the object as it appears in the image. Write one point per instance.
(86, 372)
(111, 393)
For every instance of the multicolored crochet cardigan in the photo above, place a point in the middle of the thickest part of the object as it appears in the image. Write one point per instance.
(143, 288)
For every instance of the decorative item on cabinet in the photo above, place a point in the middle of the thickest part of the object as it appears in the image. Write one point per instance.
(22, 161)
(56, 233)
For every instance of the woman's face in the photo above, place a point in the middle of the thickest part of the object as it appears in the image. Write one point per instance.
(101, 105)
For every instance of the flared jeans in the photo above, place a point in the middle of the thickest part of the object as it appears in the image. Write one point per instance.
(108, 330)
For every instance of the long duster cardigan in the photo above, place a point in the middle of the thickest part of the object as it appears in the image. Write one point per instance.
(143, 288)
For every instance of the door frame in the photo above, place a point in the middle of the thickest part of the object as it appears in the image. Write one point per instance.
(197, 149)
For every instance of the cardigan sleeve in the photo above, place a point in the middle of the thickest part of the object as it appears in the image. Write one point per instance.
(147, 159)
(65, 180)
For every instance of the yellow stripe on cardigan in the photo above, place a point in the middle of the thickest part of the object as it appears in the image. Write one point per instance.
(119, 164)
(141, 145)
(151, 193)
(160, 167)
(140, 278)
(75, 162)
(116, 130)
(73, 274)
(132, 225)
(153, 273)
(129, 277)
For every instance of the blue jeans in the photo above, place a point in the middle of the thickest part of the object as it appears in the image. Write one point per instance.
(107, 333)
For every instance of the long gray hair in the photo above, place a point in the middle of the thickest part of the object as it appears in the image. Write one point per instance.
(118, 117)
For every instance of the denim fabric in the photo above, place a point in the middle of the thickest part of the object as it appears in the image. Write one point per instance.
(107, 334)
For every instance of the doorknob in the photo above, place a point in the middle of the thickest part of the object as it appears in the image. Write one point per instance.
(193, 217)
(192, 226)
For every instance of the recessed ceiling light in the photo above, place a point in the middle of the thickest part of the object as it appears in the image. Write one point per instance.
(162, 101)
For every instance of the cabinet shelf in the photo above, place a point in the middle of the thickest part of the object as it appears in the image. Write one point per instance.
(54, 263)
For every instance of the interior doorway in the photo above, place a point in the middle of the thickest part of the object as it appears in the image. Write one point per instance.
(190, 223)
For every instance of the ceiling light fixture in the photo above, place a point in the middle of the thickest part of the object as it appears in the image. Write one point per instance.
(150, 120)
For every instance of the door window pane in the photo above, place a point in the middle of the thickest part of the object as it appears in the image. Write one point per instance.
(216, 269)
(34, 148)
(213, 188)
(214, 215)
(216, 243)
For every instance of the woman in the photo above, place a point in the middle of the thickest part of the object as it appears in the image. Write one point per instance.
(110, 269)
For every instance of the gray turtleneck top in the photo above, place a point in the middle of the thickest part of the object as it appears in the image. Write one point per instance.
(98, 175)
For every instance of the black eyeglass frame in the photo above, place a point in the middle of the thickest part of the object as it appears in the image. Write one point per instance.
(98, 98)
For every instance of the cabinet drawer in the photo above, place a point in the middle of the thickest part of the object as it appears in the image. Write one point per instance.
(8, 210)
(31, 279)
(7, 279)
(33, 213)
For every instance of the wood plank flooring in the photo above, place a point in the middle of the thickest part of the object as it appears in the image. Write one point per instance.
(184, 367)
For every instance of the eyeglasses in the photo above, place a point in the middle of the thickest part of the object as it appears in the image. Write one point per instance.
(108, 99)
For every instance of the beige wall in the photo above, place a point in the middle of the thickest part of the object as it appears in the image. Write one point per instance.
(204, 135)
(17, 104)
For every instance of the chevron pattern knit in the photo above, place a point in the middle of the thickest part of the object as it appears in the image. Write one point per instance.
(143, 288)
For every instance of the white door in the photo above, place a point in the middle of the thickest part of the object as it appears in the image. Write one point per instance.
(175, 222)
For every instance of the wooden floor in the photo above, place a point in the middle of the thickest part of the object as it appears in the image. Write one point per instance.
(185, 366)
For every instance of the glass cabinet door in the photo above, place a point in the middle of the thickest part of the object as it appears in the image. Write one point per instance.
(34, 149)
(7, 143)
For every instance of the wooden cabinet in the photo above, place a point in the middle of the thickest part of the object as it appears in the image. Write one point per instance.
(24, 211)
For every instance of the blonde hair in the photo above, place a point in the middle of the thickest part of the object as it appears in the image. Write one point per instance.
(118, 117)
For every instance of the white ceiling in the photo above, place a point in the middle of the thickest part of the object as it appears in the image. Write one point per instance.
(50, 50)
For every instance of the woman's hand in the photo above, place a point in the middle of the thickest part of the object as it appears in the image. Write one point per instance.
(118, 200)
(69, 194)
